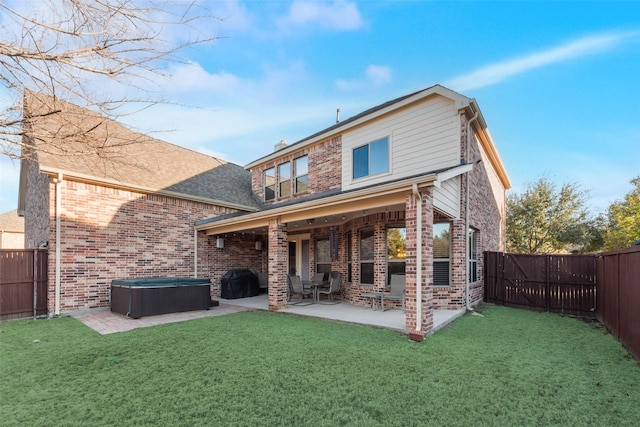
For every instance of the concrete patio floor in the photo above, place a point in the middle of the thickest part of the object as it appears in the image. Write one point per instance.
(104, 321)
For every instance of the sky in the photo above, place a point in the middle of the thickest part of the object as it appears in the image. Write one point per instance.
(558, 82)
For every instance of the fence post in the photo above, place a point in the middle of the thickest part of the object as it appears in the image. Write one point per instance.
(35, 283)
(547, 287)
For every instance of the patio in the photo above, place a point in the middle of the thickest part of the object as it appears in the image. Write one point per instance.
(390, 319)
(103, 321)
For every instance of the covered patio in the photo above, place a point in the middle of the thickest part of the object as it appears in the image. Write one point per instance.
(393, 319)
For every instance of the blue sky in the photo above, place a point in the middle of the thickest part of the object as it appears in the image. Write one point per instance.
(558, 82)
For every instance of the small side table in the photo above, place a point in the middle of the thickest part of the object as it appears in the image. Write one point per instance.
(374, 297)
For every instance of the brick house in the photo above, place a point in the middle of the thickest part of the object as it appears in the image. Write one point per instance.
(414, 186)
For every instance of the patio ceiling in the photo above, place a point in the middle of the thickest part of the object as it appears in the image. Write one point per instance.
(327, 211)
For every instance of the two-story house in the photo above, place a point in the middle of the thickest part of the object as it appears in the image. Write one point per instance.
(414, 186)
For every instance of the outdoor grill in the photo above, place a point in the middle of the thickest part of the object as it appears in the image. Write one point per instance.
(239, 284)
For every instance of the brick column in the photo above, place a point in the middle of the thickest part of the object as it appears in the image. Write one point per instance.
(278, 260)
(426, 252)
(427, 260)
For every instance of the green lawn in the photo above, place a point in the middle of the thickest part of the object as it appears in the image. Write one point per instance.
(510, 367)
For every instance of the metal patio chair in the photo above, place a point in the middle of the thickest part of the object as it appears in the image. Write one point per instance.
(398, 290)
(335, 283)
(296, 288)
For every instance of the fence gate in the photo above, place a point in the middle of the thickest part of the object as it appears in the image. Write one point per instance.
(23, 283)
(556, 283)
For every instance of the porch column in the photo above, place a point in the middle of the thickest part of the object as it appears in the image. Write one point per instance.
(278, 260)
(427, 260)
(426, 254)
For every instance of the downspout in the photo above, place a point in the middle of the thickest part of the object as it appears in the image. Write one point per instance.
(195, 252)
(58, 182)
(418, 197)
(467, 219)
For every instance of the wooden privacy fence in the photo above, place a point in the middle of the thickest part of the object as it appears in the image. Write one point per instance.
(557, 283)
(619, 296)
(23, 283)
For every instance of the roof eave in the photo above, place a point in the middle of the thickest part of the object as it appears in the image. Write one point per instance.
(460, 101)
(111, 182)
(261, 217)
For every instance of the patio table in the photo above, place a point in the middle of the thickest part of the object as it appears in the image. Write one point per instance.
(373, 296)
(315, 286)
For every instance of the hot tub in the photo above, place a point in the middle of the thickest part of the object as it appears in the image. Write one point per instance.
(159, 295)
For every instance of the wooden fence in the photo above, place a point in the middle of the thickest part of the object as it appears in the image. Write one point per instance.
(23, 283)
(557, 283)
(619, 296)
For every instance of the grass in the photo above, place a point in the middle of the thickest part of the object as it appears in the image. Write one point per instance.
(510, 367)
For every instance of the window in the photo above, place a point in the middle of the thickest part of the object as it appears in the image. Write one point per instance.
(366, 257)
(371, 159)
(270, 184)
(323, 255)
(474, 236)
(441, 253)
(301, 165)
(284, 179)
(396, 251)
(349, 258)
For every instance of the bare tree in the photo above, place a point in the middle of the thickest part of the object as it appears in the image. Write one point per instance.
(80, 51)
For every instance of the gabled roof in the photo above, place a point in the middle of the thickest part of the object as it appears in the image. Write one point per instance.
(10, 221)
(83, 144)
(469, 105)
(371, 113)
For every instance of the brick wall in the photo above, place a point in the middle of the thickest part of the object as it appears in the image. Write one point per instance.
(325, 169)
(239, 252)
(110, 233)
(487, 215)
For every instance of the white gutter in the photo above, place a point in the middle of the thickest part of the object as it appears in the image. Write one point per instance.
(416, 193)
(195, 252)
(467, 219)
(58, 182)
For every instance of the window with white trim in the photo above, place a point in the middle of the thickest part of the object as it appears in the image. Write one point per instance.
(371, 159)
(301, 170)
(396, 251)
(441, 253)
(474, 236)
(270, 184)
(284, 180)
(323, 255)
(366, 256)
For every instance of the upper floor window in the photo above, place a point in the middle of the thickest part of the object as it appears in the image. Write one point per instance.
(301, 165)
(441, 253)
(270, 184)
(371, 159)
(284, 179)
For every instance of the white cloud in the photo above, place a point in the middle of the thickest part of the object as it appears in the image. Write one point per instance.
(375, 76)
(192, 77)
(498, 72)
(338, 15)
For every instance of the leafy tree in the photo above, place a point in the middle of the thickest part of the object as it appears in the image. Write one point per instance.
(544, 219)
(623, 227)
(82, 51)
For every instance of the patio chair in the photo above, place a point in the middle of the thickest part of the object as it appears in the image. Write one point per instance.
(335, 283)
(296, 288)
(318, 278)
(398, 291)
